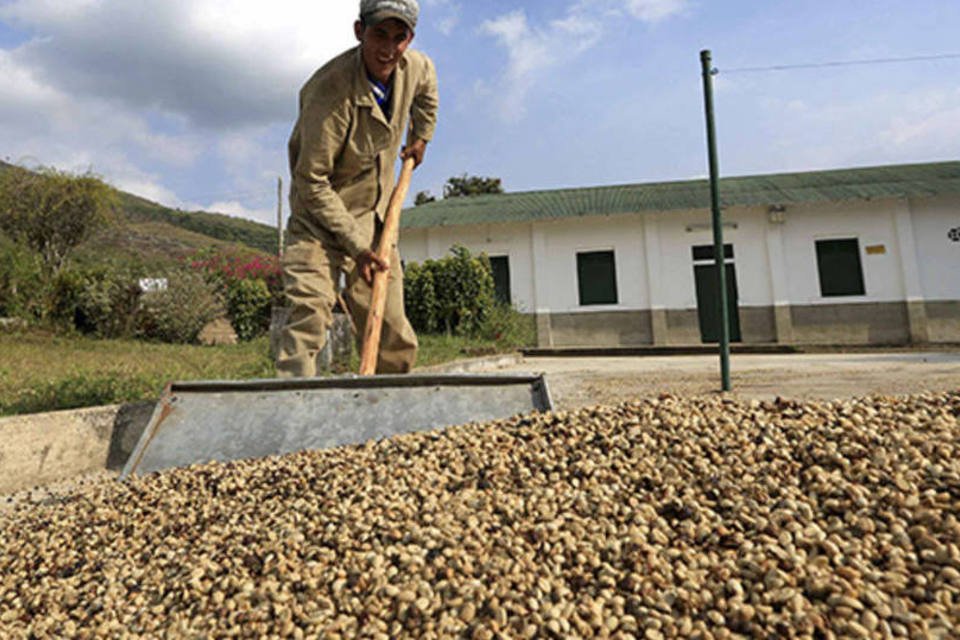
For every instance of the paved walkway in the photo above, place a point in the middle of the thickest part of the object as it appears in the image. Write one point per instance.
(601, 380)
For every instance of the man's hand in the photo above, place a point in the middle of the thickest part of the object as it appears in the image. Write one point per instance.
(369, 263)
(415, 151)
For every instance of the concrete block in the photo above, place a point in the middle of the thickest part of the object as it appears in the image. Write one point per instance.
(44, 448)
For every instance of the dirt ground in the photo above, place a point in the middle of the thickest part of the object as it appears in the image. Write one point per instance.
(603, 380)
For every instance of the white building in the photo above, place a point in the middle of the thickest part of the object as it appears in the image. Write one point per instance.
(855, 256)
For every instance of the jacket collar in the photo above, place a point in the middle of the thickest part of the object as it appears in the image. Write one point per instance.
(363, 94)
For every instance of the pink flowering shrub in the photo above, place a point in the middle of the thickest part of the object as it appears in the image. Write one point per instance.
(249, 283)
(238, 265)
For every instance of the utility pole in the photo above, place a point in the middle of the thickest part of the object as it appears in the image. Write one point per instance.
(280, 217)
(718, 252)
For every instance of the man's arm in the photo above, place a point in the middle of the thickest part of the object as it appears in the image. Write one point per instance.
(423, 113)
(323, 132)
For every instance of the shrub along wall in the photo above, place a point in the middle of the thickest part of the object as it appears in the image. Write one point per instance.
(452, 295)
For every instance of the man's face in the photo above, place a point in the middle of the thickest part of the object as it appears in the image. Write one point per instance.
(382, 46)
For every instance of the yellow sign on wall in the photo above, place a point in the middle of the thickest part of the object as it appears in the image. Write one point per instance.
(876, 250)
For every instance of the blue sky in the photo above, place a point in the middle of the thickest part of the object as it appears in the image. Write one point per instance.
(190, 102)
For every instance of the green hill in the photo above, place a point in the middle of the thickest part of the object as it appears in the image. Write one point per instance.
(215, 225)
(155, 234)
(148, 242)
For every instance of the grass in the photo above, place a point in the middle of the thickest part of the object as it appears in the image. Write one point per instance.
(43, 372)
(443, 348)
(46, 372)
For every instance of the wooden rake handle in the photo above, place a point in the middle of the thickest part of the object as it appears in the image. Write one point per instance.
(378, 300)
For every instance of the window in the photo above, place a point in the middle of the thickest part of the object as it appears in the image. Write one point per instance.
(706, 252)
(500, 265)
(838, 262)
(597, 278)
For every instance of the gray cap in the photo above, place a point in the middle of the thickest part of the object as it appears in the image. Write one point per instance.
(375, 11)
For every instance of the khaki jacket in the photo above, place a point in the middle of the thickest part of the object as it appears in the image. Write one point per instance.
(343, 151)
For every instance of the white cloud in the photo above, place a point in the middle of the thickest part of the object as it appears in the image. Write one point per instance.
(234, 208)
(34, 11)
(42, 121)
(20, 86)
(253, 161)
(447, 25)
(146, 187)
(132, 89)
(444, 14)
(656, 10)
(793, 134)
(49, 126)
(928, 123)
(648, 11)
(533, 50)
(216, 62)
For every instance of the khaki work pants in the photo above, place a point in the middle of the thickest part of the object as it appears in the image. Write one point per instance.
(311, 274)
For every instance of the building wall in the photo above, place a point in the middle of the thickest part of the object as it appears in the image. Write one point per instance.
(513, 240)
(681, 231)
(871, 223)
(943, 321)
(938, 257)
(910, 272)
(938, 261)
(869, 323)
(563, 239)
(877, 316)
(600, 328)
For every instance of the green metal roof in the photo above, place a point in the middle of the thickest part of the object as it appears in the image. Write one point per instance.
(909, 180)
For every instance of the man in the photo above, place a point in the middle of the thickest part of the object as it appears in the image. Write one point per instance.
(343, 149)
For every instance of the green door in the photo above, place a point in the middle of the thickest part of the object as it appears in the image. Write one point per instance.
(708, 302)
(500, 265)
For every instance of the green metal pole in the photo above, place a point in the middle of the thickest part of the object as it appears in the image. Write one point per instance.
(708, 72)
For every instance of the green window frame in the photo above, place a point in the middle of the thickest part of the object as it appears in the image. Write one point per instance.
(706, 252)
(597, 278)
(840, 268)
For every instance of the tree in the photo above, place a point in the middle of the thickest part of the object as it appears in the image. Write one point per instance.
(464, 185)
(423, 197)
(53, 211)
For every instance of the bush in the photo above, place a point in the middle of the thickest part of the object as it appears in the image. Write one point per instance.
(248, 304)
(22, 284)
(454, 294)
(180, 312)
(100, 300)
(420, 297)
(249, 283)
